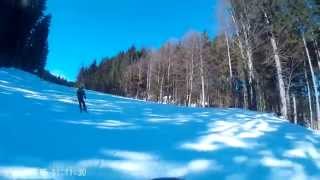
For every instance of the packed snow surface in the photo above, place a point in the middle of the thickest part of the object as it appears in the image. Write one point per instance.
(44, 136)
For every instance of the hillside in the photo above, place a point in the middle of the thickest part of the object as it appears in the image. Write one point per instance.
(43, 136)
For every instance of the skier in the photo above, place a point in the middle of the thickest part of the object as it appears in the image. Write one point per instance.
(81, 96)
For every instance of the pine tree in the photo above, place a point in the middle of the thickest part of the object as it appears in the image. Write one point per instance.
(19, 21)
(36, 50)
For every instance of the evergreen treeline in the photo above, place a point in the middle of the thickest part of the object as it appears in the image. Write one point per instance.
(110, 74)
(267, 58)
(46, 75)
(24, 29)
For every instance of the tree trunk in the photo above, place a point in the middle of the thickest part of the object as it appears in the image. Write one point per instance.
(295, 109)
(191, 77)
(139, 80)
(158, 81)
(283, 101)
(173, 92)
(250, 89)
(169, 69)
(161, 89)
(245, 98)
(314, 80)
(229, 58)
(203, 99)
(233, 100)
(149, 79)
(284, 110)
(309, 97)
(238, 35)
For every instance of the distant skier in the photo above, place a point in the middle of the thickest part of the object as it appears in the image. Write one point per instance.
(81, 94)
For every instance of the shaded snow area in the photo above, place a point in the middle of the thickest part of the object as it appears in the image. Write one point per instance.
(44, 136)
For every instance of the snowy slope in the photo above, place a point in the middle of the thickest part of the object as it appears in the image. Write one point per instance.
(43, 136)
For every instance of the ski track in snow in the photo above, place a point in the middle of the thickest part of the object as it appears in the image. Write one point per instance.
(43, 136)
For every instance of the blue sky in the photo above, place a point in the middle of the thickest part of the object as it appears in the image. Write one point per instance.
(84, 30)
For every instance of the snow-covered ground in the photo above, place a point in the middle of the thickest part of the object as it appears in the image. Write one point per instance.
(43, 136)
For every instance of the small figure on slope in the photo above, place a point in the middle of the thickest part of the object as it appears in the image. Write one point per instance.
(81, 94)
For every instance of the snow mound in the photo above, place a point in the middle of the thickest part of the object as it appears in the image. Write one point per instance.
(44, 136)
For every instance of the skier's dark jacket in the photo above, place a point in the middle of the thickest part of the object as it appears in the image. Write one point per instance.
(81, 94)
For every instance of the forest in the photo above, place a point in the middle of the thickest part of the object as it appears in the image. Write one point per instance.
(24, 37)
(266, 57)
